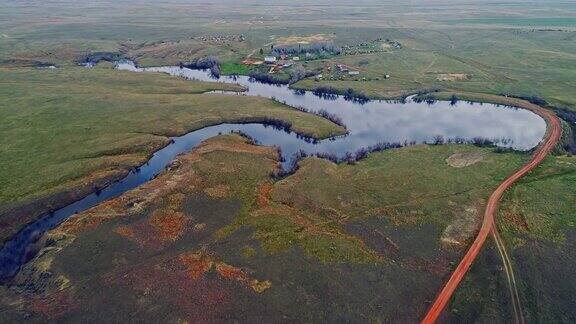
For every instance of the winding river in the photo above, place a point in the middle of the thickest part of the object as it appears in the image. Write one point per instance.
(368, 124)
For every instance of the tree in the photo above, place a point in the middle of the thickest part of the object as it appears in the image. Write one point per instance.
(453, 100)
(438, 140)
(298, 73)
(261, 51)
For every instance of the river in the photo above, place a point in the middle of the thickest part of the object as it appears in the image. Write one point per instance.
(368, 124)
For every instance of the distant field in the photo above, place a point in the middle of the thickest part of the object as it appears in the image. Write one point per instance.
(512, 21)
(512, 59)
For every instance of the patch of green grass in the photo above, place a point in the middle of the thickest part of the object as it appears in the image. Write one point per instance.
(231, 68)
(542, 205)
(410, 185)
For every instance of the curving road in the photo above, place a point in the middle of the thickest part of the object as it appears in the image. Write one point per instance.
(553, 134)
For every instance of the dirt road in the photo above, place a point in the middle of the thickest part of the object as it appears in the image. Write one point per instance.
(553, 135)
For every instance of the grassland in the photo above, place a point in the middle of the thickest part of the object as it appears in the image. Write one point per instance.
(62, 129)
(216, 237)
(536, 220)
(72, 128)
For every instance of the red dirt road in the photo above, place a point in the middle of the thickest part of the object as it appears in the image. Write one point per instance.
(553, 134)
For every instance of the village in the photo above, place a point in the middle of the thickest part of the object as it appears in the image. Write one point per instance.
(282, 58)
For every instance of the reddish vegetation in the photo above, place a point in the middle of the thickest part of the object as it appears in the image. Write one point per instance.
(516, 219)
(125, 231)
(170, 225)
(553, 135)
(162, 228)
(264, 191)
(199, 301)
(229, 272)
(197, 264)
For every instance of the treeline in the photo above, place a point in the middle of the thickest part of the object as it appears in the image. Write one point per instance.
(324, 48)
(97, 57)
(569, 117)
(297, 74)
(264, 77)
(362, 153)
(247, 136)
(427, 98)
(322, 113)
(534, 99)
(331, 93)
(476, 141)
(211, 63)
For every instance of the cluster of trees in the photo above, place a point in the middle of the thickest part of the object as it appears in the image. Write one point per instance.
(356, 96)
(211, 63)
(331, 117)
(277, 124)
(326, 92)
(453, 100)
(299, 73)
(319, 49)
(299, 92)
(331, 93)
(428, 98)
(95, 58)
(534, 99)
(267, 78)
(250, 139)
(362, 153)
(476, 141)
(322, 113)
(570, 117)
(292, 168)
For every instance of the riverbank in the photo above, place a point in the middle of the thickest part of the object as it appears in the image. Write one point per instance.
(68, 132)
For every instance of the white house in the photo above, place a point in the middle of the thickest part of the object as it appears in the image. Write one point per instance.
(270, 59)
(296, 58)
(354, 73)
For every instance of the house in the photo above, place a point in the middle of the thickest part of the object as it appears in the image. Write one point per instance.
(270, 59)
(354, 73)
(296, 58)
(387, 76)
(342, 68)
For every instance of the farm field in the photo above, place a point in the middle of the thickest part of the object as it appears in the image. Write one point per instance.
(223, 228)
